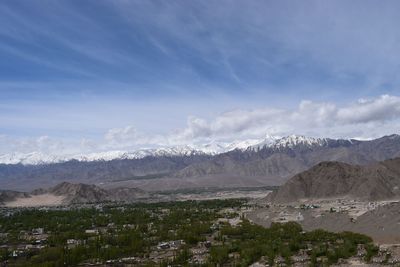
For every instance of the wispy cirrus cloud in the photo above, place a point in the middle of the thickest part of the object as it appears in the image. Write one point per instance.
(238, 45)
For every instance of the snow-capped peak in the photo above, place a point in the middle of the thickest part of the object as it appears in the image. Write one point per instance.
(289, 142)
(33, 158)
(294, 140)
(37, 158)
(138, 154)
(213, 148)
(243, 145)
(268, 141)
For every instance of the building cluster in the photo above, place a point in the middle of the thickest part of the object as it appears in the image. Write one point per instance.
(387, 256)
(29, 241)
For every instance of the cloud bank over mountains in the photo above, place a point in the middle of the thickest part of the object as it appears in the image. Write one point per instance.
(363, 119)
(309, 118)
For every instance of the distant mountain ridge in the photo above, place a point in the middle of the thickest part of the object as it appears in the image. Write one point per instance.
(37, 158)
(376, 181)
(28, 177)
(271, 161)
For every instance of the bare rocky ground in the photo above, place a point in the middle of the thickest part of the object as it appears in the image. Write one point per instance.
(57, 199)
(36, 201)
(379, 220)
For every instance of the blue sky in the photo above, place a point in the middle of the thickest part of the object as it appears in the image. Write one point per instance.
(74, 71)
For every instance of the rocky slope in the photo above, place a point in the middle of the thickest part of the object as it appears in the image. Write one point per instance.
(80, 193)
(377, 181)
(9, 195)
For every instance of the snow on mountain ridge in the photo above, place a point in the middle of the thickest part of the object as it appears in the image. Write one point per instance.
(213, 148)
(33, 158)
(290, 141)
(294, 140)
(243, 145)
(37, 158)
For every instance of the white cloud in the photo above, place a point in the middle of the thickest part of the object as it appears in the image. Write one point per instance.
(309, 117)
(44, 144)
(380, 109)
(118, 135)
(129, 138)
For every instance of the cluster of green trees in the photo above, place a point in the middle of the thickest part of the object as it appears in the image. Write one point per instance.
(134, 230)
(253, 241)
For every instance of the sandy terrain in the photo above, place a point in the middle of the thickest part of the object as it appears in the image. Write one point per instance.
(35, 201)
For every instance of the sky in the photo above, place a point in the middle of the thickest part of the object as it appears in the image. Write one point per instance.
(81, 76)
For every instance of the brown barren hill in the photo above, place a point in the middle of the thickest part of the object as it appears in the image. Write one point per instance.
(377, 181)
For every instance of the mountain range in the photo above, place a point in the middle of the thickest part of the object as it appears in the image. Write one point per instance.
(214, 148)
(40, 158)
(270, 161)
